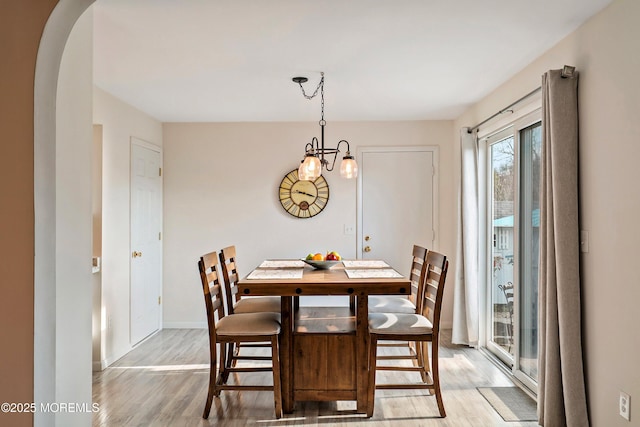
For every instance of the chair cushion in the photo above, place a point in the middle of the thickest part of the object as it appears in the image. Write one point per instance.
(387, 304)
(257, 305)
(399, 323)
(249, 324)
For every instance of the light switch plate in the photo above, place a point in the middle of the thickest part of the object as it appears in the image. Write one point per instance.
(584, 241)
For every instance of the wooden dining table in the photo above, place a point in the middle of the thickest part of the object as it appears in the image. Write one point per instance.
(323, 351)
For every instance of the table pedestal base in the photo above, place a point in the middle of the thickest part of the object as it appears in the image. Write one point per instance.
(324, 354)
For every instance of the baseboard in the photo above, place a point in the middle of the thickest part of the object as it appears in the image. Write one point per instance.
(107, 361)
(185, 325)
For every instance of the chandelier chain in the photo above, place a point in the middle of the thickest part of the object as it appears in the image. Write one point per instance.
(315, 92)
(322, 122)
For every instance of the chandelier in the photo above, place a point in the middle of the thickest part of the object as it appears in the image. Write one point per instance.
(317, 156)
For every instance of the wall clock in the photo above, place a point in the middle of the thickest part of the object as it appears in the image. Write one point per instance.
(303, 199)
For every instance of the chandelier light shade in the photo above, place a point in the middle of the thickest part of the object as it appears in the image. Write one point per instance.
(317, 156)
(348, 167)
(310, 168)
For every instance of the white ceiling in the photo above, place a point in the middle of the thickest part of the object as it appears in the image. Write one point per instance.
(214, 60)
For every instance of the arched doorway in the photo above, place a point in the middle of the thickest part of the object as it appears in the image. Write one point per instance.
(62, 349)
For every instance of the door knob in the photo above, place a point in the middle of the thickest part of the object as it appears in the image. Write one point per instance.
(367, 238)
(367, 249)
(136, 254)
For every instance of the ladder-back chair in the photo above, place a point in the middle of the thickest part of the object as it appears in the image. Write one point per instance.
(235, 304)
(403, 304)
(423, 328)
(225, 329)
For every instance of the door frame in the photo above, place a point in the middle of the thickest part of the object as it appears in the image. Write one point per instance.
(434, 150)
(133, 140)
(528, 116)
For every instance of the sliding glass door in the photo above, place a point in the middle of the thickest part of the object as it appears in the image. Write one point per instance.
(530, 145)
(512, 202)
(501, 227)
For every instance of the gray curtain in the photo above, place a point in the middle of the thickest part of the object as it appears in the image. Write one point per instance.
(561, 386)
(466, 294)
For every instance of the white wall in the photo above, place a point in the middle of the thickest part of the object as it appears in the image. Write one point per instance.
(221, 188)
(73, 225)
(120, 122)
(605, 52)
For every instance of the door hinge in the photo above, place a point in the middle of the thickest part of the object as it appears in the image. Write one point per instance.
(159, 300)
(159, 171)
(160, 235)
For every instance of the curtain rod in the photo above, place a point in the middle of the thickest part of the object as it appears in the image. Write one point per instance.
(505, 109)
(568, 71)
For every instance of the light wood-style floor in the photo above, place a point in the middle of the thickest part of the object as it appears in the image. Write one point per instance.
(163, 382)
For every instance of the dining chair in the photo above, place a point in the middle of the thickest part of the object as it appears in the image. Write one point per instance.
(235, 304)
(403, 304)
(507, 336)
(242, 328)
(423, 328)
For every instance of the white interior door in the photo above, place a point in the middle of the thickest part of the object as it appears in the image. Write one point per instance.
(146, 244)
(398, 186)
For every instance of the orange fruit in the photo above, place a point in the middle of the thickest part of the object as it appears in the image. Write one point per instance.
(318, 257)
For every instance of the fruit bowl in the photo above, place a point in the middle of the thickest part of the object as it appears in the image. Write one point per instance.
(321, 265)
